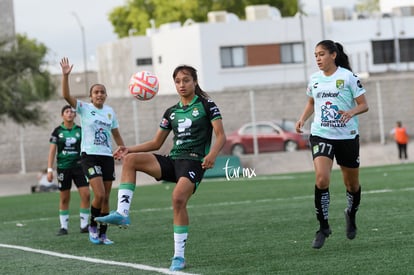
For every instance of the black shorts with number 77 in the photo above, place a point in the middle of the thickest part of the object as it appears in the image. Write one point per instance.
(345, 151)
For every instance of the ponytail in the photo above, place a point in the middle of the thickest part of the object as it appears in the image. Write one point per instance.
(193, 72)
(341, 59)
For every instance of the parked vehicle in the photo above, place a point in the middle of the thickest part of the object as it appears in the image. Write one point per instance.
(272, 136)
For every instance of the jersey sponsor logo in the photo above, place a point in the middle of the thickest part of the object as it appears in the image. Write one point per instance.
(184, 124)
(359, 84)
(324, 94)
(101, 138)
(330, 115)
(70, 141)
(329, 112)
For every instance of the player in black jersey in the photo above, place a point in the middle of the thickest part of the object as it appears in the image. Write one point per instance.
(192, 120)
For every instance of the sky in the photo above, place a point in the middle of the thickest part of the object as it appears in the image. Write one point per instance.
(53, 23)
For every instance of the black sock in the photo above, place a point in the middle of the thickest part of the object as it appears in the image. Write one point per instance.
(353, 199)
(322, 200)
(95, 212)
(103, 226)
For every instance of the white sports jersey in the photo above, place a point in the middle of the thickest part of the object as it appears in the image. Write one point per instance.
(331, 94)
(96, 128)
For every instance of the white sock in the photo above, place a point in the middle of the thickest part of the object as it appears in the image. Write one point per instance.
(180, 240)
(64, 218)
(125, 194)
(84, 217)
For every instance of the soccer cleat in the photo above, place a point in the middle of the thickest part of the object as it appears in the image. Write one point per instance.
(114, 218)
(351, 228)
(320, 237)
(104, 240)
(93, 235)
(177, 263)
(62, 231)
(84, 230)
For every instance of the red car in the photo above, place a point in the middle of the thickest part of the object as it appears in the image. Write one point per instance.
(271, 136)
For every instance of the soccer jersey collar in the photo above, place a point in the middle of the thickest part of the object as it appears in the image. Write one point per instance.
(191, 103)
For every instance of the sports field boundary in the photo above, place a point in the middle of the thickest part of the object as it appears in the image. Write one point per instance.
(94, 260)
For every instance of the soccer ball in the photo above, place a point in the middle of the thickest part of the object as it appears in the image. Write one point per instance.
(143, 85)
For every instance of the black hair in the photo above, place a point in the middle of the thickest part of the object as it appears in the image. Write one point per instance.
(96, 84)
(193, 73)
(64, 108)
(341, 59)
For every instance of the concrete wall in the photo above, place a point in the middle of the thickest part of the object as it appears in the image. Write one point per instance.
(139, 120)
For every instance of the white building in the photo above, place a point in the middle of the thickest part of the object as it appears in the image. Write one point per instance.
(263, 50)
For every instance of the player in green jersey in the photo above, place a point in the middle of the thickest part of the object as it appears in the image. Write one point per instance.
(192, 121)
(65, 143)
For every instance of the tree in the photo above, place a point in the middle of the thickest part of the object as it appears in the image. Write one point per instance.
(368, 6)
(23, 81)
(137, 15)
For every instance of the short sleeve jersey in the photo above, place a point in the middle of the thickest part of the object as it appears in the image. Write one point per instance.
(97, 125)
(332, 94)
(68, 144)
(191, 126)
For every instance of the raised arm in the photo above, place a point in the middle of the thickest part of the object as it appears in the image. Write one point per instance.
(66, 69)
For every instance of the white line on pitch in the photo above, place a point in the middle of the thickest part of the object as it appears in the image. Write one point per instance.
(96, 261)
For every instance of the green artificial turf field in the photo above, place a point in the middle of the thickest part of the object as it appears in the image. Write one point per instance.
(261, 225)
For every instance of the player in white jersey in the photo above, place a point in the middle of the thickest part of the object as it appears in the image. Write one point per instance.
(99, 126)
(336, 97)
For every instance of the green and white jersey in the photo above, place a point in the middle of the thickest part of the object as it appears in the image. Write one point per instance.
(191, 126)
(68, 144)
(97, 125)
(331, 94)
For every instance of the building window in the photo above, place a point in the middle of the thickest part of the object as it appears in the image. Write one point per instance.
(144, 61)
(291, 53)
(407, 50)
(383, 51)
(232, 57)
(259, 55)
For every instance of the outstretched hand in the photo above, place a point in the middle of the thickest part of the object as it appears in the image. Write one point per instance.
(120, 152)
(66, 66)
